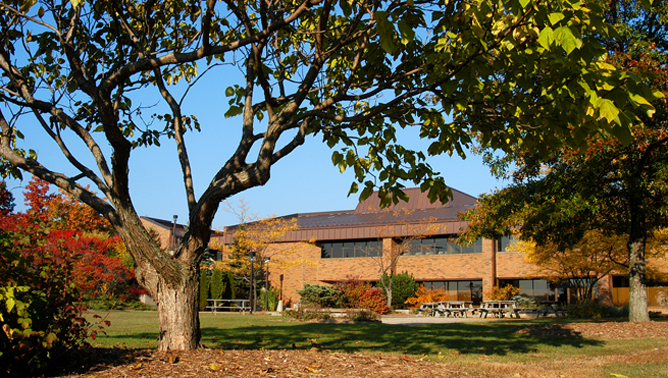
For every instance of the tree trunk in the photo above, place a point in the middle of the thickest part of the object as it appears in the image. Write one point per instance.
(638, 309)
(178, 314)
(389, 293)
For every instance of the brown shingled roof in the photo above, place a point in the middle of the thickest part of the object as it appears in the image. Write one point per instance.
(367, 218)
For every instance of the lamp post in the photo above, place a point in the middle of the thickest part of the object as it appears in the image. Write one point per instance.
(172, 243)
(251, 257)
(266, 285)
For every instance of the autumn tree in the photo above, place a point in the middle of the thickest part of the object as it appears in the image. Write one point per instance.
(519, 72)
(617, 186)
(61, 210)
(386, 259)
(259, 235)
(584, 264)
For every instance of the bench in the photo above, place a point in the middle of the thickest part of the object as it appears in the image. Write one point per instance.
(242, 305)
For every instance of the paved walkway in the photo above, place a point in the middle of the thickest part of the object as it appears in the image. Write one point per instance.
(420, 320)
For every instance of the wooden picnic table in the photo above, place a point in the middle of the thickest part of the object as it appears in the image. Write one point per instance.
(454, 308)
(427, 308)
(550, 306)
(242, 305)
(499, 309)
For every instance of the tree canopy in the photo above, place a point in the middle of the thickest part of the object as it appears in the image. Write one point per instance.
(615, 186)
(513, 73)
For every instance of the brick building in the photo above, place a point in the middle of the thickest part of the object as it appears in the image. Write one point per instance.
(331, 246)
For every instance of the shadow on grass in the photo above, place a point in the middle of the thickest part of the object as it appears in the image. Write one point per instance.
(492, 338)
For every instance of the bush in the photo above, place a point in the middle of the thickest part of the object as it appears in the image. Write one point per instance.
(525, 302)
(361, 295)
(272, 299)
(39, 312)
(362, 315)
(310, 312)
(373, 300)
(595, 310)
(423, 295)
(203, 289)
(504, 293)
(322, 296)
(403, 287)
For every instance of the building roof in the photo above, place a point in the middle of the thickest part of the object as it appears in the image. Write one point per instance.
(179, 229)
(368, 220)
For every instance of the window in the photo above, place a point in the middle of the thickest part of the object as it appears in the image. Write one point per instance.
(540, 290)
(439, 245)
(503, 242)
(350, 248)
(470, 290)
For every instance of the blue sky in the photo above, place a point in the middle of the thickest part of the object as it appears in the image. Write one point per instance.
(305, 181)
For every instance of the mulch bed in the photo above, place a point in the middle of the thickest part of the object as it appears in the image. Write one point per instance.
(108, 363)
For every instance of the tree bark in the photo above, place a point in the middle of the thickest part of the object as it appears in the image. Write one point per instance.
(178, 313)
(638, 309)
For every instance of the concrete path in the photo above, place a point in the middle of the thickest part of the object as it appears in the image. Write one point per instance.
(421, 320)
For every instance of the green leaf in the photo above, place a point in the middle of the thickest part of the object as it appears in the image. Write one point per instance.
(524, 3)
(385, 32)
(229, 92)
(607, 109)
(25, 7)
(555, 17)
(233, 111)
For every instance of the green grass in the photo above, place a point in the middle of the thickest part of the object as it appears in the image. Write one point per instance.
(468, 344)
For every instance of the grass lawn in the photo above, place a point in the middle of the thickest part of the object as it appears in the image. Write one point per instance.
(467, 344)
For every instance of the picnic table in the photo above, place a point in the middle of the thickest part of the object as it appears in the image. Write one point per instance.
(549, 306)
(499, 309)
(427, 308)
(242, 305)
(453, 308)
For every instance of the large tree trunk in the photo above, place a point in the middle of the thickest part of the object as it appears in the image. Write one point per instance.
(638, 310)
(178, 312)
(172, 281)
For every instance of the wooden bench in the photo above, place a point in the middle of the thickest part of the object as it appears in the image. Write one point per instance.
(242, 305)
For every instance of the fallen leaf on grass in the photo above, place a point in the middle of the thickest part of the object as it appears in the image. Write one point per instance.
(215, 366)
(312, 370)
(137, 367)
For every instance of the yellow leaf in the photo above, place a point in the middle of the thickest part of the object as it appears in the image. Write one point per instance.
(215, 366)
(312, 370)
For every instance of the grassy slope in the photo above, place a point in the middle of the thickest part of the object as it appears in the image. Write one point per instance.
(474, 345)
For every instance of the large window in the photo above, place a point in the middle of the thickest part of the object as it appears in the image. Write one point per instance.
(439, 245)
(458, 290)
(540, 290)
(504, 242)
(351, 248)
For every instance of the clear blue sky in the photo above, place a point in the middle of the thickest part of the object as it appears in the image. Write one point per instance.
(305, 181)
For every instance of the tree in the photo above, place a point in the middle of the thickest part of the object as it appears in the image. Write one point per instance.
(62, 211)
(581, 266)
(584, 264)
(203, 291)
(353, 73)
(403, 287)
(386, 259)
(618, 186)
(255, 234)
(6, 199)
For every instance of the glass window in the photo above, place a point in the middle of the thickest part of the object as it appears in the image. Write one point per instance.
(453, 248)
(440, 245)
(503, 242)
(337, 250)
(326, 250)
(351, 248)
